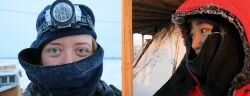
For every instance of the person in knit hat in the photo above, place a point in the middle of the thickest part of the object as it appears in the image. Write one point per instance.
(65, 59)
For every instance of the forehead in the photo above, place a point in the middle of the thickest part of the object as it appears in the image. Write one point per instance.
(202, 20)
(201, 23)
(74, 39)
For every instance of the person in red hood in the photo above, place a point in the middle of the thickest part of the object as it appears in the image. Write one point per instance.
(217, 61)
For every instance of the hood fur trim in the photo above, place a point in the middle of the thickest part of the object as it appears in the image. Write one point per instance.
(241, 78)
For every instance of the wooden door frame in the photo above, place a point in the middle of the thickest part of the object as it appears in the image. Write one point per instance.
(127, 49)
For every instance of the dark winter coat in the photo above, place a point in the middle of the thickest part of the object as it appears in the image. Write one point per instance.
(102, 89)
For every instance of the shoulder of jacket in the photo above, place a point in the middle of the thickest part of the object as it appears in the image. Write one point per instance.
(31, 90)
(102, 89)
(244, 91)
(28, 90)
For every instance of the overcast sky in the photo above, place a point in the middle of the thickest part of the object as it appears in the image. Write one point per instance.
(18, 19)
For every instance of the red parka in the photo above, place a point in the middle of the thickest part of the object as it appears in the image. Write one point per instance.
(184, 82)
(240, 10)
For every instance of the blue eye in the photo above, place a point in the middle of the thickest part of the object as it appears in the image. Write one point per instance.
(82, 52)
(54, 51)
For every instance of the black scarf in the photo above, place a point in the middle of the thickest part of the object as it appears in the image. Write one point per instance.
(77, 79)
(218, 62)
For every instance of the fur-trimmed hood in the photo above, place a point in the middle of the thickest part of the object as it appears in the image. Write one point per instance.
(236, 12)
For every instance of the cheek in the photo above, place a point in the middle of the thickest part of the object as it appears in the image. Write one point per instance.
(46, 60)
(204, 37)
(78, 58)
(49, 61)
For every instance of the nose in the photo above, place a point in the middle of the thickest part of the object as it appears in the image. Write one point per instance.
(68, 58)
(197, 43)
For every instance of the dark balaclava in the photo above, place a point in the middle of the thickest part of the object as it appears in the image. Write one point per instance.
(77, 79)
(220, 58)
